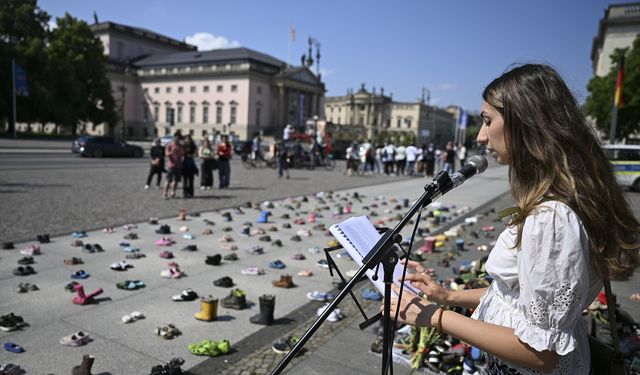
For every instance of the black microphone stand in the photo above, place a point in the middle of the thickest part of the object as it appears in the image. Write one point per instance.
(382, 252)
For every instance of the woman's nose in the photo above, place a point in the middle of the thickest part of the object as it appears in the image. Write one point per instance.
(482, 136)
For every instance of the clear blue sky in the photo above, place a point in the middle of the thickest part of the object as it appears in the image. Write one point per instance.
(454, 48)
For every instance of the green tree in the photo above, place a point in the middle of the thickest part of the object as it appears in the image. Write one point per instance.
(23, 34)
(601, 89)
(79, 76)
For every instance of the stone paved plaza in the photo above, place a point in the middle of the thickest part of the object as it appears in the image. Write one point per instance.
(111, 191)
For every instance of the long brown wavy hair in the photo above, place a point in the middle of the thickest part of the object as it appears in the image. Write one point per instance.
(555, 154)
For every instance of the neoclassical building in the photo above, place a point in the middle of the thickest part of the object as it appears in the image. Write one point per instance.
(617, 29)
(377, 113)
(162, 84)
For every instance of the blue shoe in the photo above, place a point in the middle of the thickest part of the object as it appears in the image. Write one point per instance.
(264, 216)
(371, 294)
(79, 234)
(277, 264)
(13, 348)
(78, 275)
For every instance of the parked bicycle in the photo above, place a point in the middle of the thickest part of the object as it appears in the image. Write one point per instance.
(250, 162)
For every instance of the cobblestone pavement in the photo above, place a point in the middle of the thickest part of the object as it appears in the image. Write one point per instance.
(331, 337)
(50, 197)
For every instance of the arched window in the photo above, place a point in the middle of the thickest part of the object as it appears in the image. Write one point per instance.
(205, 112)
(192, 112)
(233, 112)
(219, 106)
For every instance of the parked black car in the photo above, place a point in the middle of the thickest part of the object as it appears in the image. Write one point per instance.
(99, 146)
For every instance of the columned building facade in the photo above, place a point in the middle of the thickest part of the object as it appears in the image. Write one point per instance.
(364, 108)
(617, 29)
(377, 114)
(162, 85)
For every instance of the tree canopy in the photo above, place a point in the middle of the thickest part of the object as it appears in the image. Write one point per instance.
(66, 68)
(600, 101)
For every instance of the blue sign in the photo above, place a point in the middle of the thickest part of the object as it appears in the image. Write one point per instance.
(22, 88)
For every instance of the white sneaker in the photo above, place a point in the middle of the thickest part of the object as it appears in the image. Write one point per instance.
(334, 316)
(146, 187)
(201, 187)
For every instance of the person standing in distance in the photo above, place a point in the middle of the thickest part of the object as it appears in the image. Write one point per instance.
(572, 229)
(462, 154)
(207, 155)
(224, 155)
(156, 163)
(189, 167)
(174, 153)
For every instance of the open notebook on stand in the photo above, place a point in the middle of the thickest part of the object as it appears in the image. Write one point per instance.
(357, 235)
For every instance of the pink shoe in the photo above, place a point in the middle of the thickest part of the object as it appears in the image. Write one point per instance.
(108, 230)
(81, 298)
(166, 255)
(31, 250)
(312, 217)
(165, 241)
(346, 209)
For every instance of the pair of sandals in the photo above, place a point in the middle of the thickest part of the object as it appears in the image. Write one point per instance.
(76, 339)
(26, 287)
(130, 284)
(11, 322)
(210, 348)
(134, 316)
(185, 296)
(172, 273)
(167, 332)
(121, 266)
(135, 256)
(92, 248)
(24, 271)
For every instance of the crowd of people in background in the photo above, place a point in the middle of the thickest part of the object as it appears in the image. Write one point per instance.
(181, 166)
(367, 158)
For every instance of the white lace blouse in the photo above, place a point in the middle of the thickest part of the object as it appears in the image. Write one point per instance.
(541, 289)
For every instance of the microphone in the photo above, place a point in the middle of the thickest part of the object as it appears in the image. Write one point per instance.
(475, 165)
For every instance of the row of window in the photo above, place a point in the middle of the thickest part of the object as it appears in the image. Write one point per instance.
(175, 116)
(193, 89)
(408, 121)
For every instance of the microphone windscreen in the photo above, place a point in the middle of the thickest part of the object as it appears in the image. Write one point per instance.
(480, 163)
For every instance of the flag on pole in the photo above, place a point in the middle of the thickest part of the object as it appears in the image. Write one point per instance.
(463, 119)
(292, 30)
(619, 97)
(22, 88)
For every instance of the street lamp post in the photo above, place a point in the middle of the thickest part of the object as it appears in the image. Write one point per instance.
(123, 90)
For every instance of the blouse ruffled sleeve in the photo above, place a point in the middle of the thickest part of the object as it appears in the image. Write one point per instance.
(553, 268)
